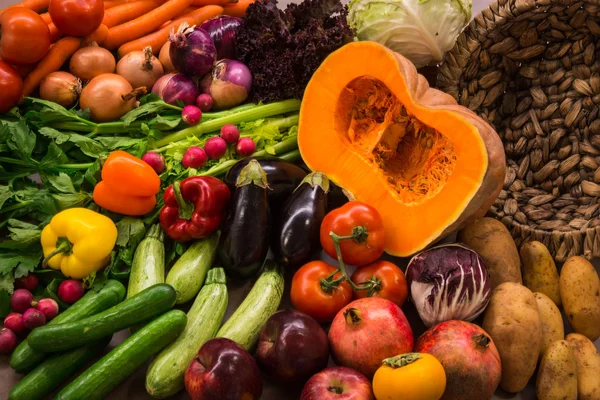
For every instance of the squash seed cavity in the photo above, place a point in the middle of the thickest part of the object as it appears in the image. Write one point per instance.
(415, 159)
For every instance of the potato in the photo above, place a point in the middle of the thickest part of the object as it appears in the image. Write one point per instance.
(513, 322)
(588, 366)
(553, 328)
(539, 271)
(557, 375)
(492, 241)
(580, 294)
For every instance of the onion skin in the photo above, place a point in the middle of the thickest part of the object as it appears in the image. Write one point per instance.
(108, 97)
(140, 68)
(192, 51)
(174, 87)
(222, 31)
(60, 87)
(89, 62)
(229, 84)
(165, 58)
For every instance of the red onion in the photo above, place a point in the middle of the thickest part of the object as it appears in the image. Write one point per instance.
(194, 157)
(215, 147)
(245, 146)
(174, 87)
(192, 51)
(228, 84)
(222, 31)
(230, 133)
(191, 115)
(204, 102)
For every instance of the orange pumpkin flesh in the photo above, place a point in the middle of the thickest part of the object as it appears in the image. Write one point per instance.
(373, 125)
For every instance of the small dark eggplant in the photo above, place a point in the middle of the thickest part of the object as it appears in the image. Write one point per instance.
(295, 234)
(244, 242)
(336, 197)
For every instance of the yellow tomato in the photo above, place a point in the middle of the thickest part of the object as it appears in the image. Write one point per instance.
(411, 376)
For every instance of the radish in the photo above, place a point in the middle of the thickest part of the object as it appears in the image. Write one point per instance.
(8, 341)
(204, 102)
(230, 133)
(215, 147)
(48, 307)
(33, 318)
(194, 157)
(191, 115)
(155, 160)
(14, 322)
(245, 146)
(70, 291)
(21, 300)
(29, 282)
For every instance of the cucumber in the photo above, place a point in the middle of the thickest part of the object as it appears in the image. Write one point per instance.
(146, 304)
(148, 267)
(101, 378)
(188, 273)
(247, 321)
(54, 371)
(24, 358)
(165, 375)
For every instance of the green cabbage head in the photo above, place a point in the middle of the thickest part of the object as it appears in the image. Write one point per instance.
(420, 30)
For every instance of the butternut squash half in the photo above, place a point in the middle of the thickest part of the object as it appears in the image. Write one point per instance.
(372, 124)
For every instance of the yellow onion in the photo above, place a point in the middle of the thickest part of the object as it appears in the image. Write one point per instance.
(91, 61)
(165, 58)
(61, 88)
(109, 97)
(140, 68)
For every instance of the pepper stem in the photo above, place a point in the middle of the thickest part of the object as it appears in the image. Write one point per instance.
(63, 247)
(185, 208)
(402, 360)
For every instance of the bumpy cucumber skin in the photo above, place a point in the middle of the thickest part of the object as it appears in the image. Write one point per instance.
(166, 373)
(102, 377)
(247, 321)
(148, 267)
(24, 358)
(55, 370)
(188, 273)
(143, 306)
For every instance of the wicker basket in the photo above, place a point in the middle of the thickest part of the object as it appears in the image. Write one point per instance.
(532, 70)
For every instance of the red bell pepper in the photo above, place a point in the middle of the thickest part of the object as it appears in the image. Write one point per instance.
(194, 208)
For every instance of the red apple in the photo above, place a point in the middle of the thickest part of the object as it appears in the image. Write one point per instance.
(469, 356)
(338, 383)
(367, 331)
(223, 370)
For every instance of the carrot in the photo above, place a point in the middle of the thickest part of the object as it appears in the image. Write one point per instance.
(46, 17)
(113, 3)
(157, 39)
(55, 34)
(200, 3)
(187, 10)
(98, 36)
(52, 61)
(145, 24)
(35, 5)
(165, 24)
(238, 9)
(126, 12)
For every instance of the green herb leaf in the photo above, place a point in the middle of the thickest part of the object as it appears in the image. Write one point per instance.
(54, 157)
(5, 194)
(114, 143)
(22, 140)
(130, 231)
(62, 182)
(7, 283)
(69, 200)
(4, 302)
(88, 146)
(93, 174)
(148, 107)
(10, 260)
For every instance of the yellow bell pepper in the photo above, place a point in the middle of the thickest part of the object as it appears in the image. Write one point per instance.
(78, 241)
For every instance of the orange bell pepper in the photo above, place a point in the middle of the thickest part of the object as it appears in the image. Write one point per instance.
(129, 185)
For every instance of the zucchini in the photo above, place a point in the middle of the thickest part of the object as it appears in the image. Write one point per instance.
(101, 378)
(165, 375)
(148, 267)
(24, 358)
(55, 370)
(247, 321)
(146, 304)
(188, 273)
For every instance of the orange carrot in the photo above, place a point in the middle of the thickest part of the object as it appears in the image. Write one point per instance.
(126, 12)
(238, 9)
(98, 36)
(55, 34)
(52, 61)
(35, 5)
(165, 24)
(200, 3)
(46, 17)
(157, 39)
(113, 3)
(187, 10)
(145, 24)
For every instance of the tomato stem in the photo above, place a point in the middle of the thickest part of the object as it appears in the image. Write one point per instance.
(373, 285)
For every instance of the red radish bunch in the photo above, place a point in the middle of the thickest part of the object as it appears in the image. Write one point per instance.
(21, 300)
(70, 291)
(14, 322)
(29, 282)
(48, 307)
(32, 318)
(8, 341)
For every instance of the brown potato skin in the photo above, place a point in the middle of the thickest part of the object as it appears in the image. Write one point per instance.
(580, 294)
(588, 366)
(513, 322)
(557, 374)
(492, 241)
(539, 271)
(553, 328)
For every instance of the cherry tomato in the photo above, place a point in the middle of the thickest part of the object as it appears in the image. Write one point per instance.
(11, 87)
(388, 280)
(310, 296)
(24, 37)
(76, 17)
(361, 221)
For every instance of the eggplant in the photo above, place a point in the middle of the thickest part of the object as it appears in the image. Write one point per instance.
(336, 197)
(244, 242)
(283, 177)
(295, 234)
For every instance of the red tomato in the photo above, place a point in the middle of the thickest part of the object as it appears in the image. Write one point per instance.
(309, 295)
(361, 221)
(388, 279)
(11, 87)
(24, 37)
(76, 17)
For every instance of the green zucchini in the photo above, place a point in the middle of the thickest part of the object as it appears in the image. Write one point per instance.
(146, 304)
(148, 267)
(55, 370)
(24, 358)
(247, 321)
(101, 378)
(188, 273)
(165, 375)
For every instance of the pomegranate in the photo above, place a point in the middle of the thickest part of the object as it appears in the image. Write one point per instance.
(48, 307)
(70, 291)
(14, 322)
(368, 330)
(29, 282)
(469, 357)
(33, 318)
(21, 300)
(8, 341)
